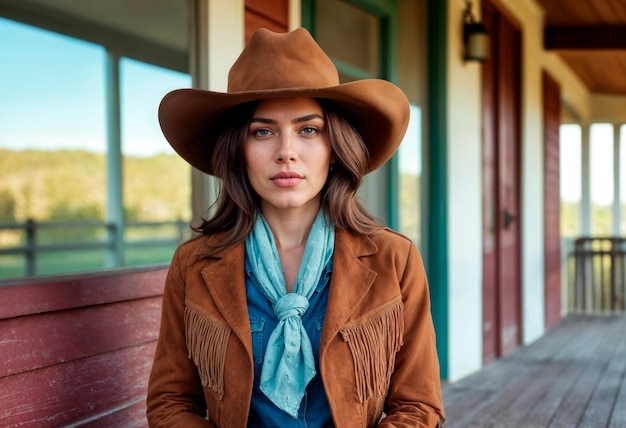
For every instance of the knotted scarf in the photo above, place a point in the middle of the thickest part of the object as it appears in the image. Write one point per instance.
(289, 364)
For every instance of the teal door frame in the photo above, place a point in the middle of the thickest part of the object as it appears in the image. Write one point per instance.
(436, 232)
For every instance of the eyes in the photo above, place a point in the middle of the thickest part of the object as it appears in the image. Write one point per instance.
(307, 131)
(261, 133)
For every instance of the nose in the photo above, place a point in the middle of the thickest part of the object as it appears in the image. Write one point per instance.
(285, 152)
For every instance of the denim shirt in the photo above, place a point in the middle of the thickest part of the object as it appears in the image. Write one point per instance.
(314, 410)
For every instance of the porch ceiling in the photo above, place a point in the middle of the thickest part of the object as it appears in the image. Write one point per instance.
(590, 36)
(154, 31)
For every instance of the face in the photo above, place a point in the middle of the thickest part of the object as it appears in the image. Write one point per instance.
(288, 154)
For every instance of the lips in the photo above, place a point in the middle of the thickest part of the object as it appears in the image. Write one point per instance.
(286, 174)
(286, 178)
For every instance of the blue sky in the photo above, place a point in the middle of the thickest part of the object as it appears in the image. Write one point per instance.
(52, 94)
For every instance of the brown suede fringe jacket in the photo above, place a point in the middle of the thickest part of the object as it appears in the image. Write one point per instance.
(377, 349)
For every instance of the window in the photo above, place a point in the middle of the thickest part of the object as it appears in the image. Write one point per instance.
(54, 158)
(358, 55)
(601, 145)
(410, 167)
(52, 143)
(156, 181)
(622, 180)
(357, 37)
(570, 180)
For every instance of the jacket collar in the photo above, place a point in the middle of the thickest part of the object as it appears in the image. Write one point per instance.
(350, 281)
(225, 280)
(349, 284)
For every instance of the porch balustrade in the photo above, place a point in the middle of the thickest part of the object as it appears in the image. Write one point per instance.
(599, 283)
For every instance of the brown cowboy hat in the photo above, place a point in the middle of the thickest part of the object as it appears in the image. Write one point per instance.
(274, 65)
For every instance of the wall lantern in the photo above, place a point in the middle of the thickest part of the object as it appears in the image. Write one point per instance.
(475, 37)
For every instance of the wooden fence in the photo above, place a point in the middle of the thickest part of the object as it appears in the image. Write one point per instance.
(30, 246)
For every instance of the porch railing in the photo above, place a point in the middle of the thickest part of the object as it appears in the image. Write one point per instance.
(600, 275)
(30, 246)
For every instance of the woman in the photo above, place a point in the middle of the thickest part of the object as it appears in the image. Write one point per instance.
(294, 308)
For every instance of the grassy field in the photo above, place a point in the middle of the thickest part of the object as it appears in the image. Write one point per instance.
(146, 244)
(62, 262)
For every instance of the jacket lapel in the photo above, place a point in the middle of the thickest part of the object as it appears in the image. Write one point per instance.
(225, 280)
(350, 282)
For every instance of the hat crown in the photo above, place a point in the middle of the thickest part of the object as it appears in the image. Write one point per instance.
(279, 61)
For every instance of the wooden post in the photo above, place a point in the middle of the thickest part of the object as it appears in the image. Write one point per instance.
(31, 250)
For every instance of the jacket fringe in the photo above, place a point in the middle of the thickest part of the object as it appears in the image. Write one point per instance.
(373, 345)
(206, 343)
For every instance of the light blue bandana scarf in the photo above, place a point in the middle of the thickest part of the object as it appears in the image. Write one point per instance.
(289, 364)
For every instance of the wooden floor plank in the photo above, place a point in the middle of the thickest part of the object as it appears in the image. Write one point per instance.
(598, 411)
(536, 405)
(543, 412)
(574, 405)
(515, 415)
(618, 416)
(573, 377)
(478, 392)
(468, 405)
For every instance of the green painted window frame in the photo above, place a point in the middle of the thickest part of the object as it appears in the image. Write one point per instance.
(436, 234)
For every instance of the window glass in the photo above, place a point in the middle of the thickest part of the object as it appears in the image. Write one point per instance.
(358, 55)
(410, 168)
(52, 147)
(570, 179)
(601, 146)
(622, 179)
(156, 181)
(53, 139)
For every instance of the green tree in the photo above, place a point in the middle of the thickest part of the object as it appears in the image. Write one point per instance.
(7, 206)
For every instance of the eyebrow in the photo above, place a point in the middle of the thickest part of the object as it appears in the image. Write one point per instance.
(297, 120)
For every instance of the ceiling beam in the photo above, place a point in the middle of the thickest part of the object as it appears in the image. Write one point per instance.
(585, 37)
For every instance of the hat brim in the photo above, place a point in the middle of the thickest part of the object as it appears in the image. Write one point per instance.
(191, 118)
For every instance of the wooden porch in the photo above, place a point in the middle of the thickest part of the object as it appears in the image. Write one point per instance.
(574, 376)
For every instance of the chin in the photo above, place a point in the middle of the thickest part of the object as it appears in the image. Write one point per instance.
(289, 204)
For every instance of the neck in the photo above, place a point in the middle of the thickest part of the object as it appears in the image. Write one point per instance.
(290, 227)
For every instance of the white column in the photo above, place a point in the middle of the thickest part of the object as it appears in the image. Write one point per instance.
(616, 181)
(585, 199)
(295, 14)
(115, 192)
(216, 39)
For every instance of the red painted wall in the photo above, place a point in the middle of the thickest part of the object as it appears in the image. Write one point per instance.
(552, 200)
(78, 347)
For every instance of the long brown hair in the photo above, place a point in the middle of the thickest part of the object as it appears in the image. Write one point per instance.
(237, 203)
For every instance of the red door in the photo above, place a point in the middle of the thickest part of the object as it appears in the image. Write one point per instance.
(552, 199)
(501, 186)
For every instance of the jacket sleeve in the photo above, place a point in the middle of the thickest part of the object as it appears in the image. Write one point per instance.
(175, 395)
(414, 397)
